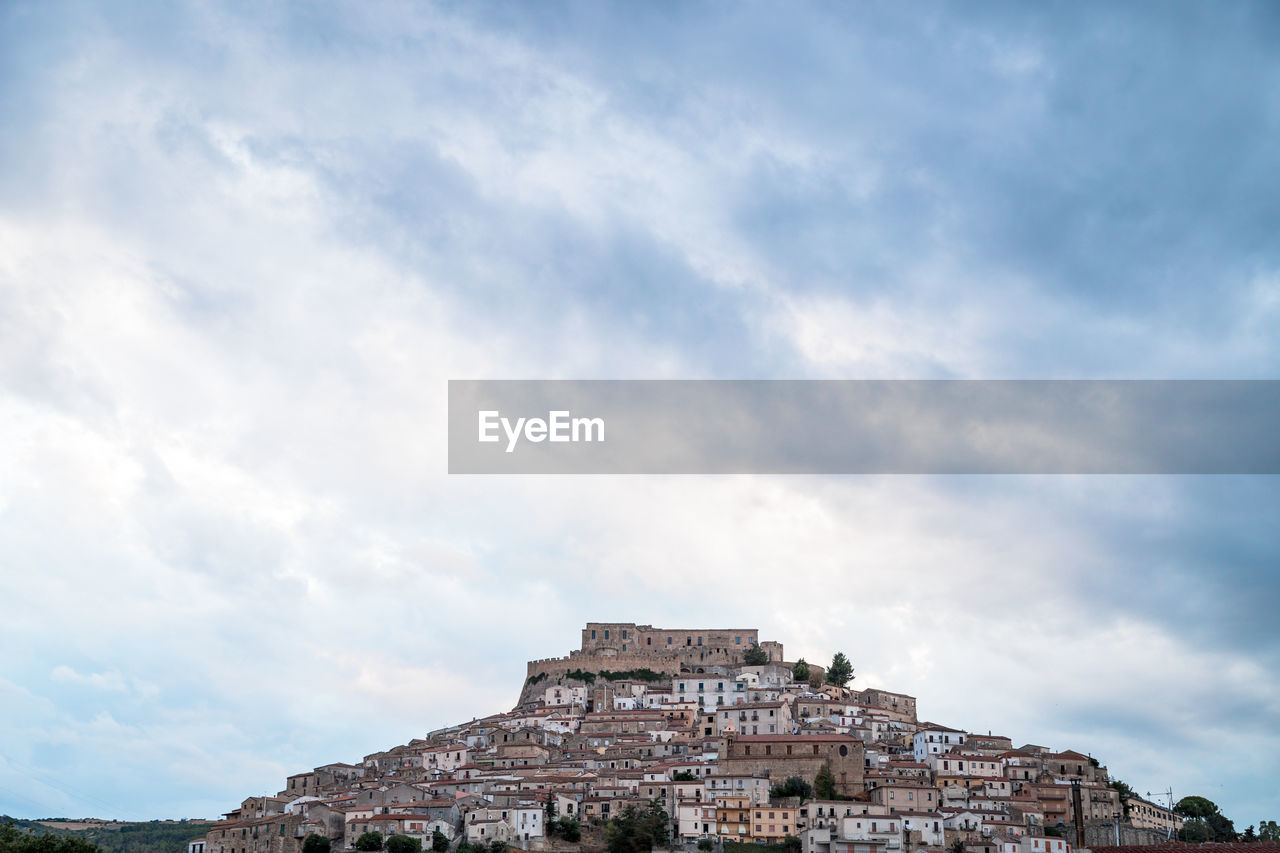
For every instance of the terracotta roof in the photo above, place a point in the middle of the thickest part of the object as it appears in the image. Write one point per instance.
(795, 739)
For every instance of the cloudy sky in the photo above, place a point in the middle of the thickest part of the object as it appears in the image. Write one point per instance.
(244, 246)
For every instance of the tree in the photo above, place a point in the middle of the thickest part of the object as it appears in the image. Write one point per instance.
(497, 846)
(1124, 791)
(314, 843)
(824, 784)
(370, 841)
(800, 672)
(755, 656)
(1268, 830)
(636, 830)
(792, 844)
(570, 829)
(1204, 821)
(439, 841)
(15, 840)
(841, 671)
(706, 845)
(403, 844)
(792, 786)
(1249, 835)
(957, 846)
(684, 776)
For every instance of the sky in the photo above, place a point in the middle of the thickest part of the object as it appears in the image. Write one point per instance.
(244, 246)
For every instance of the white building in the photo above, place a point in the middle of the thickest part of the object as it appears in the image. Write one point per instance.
(932, 739)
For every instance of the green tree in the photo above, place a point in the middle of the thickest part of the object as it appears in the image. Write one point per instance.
(800, 672)
(368, 842)
(1249, 836)
(497, 846)
(402, 844)
(684, 776)
(569, 828)
(824, 784)
(792, 786)
(439, 841)
(755, 656)
(1124, 791)
(637, 830)
(1204, 821)
(314, 843)
(792, 844)
(957, 846)
(15, 840)
(706, 844)
(841, 671)
(1268, 830)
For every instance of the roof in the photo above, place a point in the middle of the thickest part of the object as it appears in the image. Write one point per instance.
(796, 739)
(1208, 847)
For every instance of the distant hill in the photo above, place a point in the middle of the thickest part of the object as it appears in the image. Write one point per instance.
(112, 836)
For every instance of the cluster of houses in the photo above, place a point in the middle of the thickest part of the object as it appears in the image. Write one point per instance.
(715, 745)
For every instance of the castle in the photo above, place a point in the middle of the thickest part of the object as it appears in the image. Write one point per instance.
(621, 646)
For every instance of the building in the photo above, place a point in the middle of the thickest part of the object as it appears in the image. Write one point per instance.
(780, 756)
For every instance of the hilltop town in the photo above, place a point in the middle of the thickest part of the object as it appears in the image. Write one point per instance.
(731, 740)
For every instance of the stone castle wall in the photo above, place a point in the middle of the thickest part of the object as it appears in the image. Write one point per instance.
(621, 646)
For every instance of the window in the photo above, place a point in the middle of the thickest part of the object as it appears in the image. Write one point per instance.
(737, 640)
(593, 635)
(606, 634)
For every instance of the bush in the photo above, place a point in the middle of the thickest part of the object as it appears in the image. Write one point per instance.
(315, 844)
(439, 841)
(403, 844)
(794, 786)
(368, 842)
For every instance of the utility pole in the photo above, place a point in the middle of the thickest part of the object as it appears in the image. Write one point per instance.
(1172, 817)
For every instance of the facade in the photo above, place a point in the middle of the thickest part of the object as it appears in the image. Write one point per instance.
(1149, 815)
(780, 756)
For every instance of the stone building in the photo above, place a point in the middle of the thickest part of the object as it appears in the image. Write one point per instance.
(693, 646)
(781, 756)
